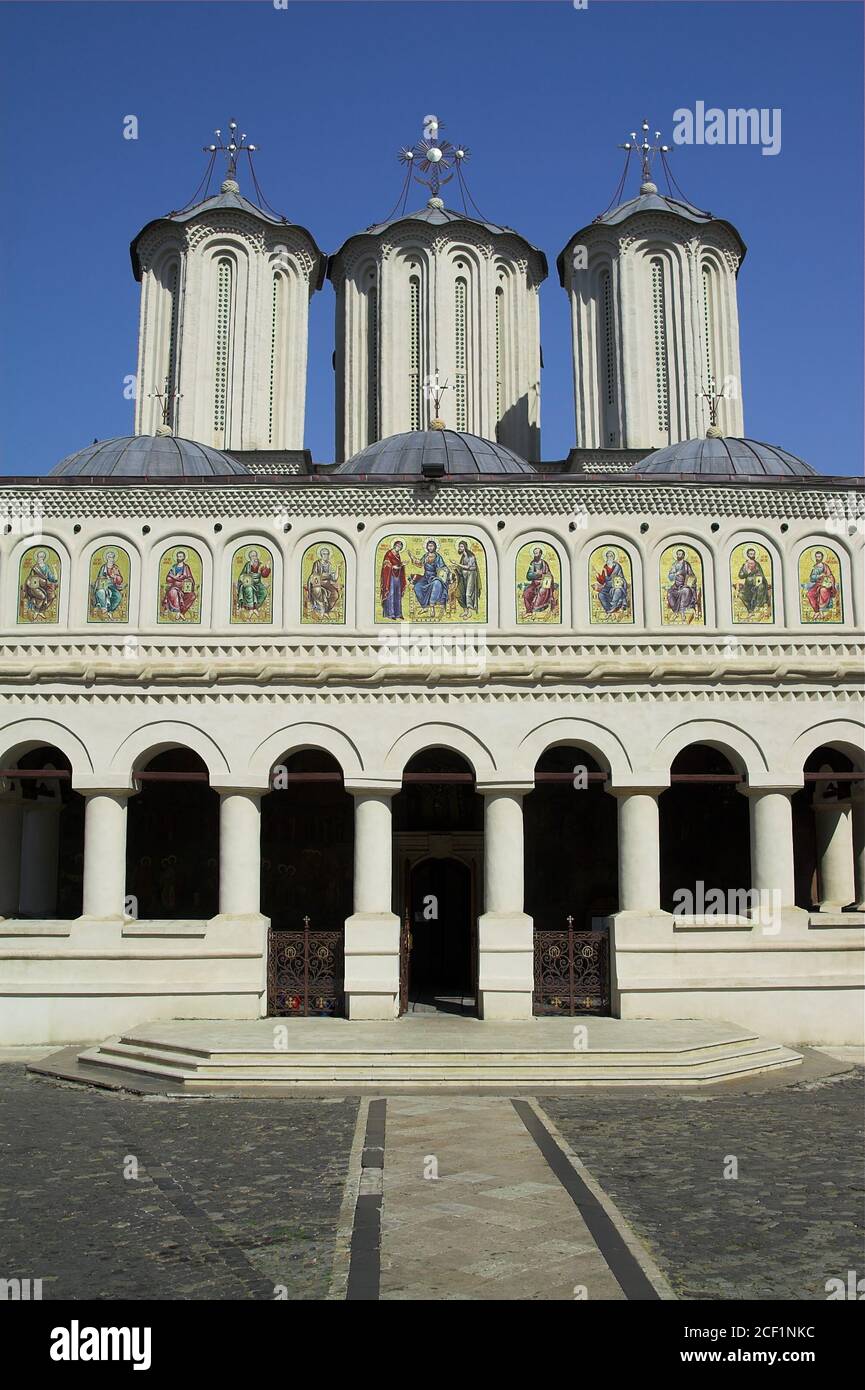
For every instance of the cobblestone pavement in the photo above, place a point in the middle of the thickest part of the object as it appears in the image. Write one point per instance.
(791, 1220)
(236, 1197)
(233, 1197)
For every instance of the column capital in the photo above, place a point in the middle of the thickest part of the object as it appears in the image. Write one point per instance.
(640, 787)
(373, 786)
(105, 784)
(240, 786)
(771, 788)
(841, 804)
(508, 786)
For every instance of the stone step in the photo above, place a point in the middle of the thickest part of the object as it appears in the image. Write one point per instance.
(201, 1067)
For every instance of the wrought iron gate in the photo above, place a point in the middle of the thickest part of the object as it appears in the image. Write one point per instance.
(572, 972)
(305, 972)
(404, 960)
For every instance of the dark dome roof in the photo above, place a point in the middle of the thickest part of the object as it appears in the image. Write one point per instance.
(410, 453)
(744, 457)
(148, 456)
(232, 199)
(435, 214)
(649, 200)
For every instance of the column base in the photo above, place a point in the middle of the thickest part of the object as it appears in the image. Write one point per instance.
(372, 965)
(506, 966)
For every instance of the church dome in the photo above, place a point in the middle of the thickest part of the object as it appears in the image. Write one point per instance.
(434, 453)
(148, 456)
(724, 457)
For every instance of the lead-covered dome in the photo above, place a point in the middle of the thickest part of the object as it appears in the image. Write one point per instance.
(434, 453)
(148, 456)
(724, 457)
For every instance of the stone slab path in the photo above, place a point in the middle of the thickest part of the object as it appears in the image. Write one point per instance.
(472, 1210)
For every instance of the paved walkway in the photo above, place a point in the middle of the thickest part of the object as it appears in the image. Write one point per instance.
(257, 1198)
(472, 1210)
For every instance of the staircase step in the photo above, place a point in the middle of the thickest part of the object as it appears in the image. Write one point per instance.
(203, 1069)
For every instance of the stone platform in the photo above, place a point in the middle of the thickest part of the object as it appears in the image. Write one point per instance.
(426, 1052)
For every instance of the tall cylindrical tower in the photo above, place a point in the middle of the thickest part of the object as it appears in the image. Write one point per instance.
(436, 293)
(655, 324)
(222, 347)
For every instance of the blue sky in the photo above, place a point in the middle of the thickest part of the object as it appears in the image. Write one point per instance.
(541, 93)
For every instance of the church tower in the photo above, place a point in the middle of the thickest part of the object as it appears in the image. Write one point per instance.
(437, 295)
(654, 318)
(225, 291)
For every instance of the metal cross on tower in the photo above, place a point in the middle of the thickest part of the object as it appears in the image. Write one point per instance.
(434, 389)
(646, 149)
(713, 400)
(235, 146)
(434, 156)
(166, 400)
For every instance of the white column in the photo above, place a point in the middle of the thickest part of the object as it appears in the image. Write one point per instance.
(11, 826)
(639, 849)
(857, 798)
(40, 849)
(834, 855)
(372, 931)
(771, 835)
(373, 853)
(239, 853)
(104, 889)
(504, 881)
(772, 843)
(505, 932)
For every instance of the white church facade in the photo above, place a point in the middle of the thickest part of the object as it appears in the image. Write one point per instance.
(441, 723)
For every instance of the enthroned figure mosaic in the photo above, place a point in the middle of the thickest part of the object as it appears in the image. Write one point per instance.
(538, 583)
(180, 585)
(251, 591)
(752, 584)
(438, 579)
(820, 595)
(322, 575)
(681, 575)
(108, 589)
(611, 585)
(39, 576)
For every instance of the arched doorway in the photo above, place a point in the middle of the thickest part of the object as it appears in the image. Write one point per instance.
(307, 859)
(704, 828)
(822, 831)
(571, 874)
(43, 832)
(172, 845)
(438, 871)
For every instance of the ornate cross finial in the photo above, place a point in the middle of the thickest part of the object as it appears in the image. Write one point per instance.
(433, 156)
(434, 389)
(648, 152)
(166, 400)
(235, 145)
(713, 399)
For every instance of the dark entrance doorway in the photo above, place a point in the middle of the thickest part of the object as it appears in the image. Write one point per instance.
(172, 842)
(307, 856)
(441, 965)
(438, 870)
(571, 843)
